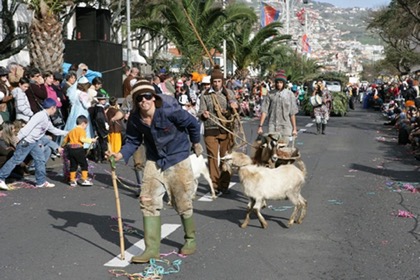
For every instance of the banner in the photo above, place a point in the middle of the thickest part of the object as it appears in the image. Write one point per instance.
(268, 14)
(306, 48)
(301, 16)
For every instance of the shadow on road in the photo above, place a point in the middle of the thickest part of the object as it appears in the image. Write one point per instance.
(105, 226)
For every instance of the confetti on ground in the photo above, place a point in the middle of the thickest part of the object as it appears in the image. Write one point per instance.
(405, 214)
(153, 271)
(370, 193)
(88, 204)
(402, 186)
(353, 170)
(126, 228)
(280, 209)
(335, 202)
(2, 194)
(21, 185)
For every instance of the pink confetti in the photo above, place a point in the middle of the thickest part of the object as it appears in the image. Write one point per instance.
(379, 167)
(173, 253)
(405, 214)
(3, 194)
(410, 187)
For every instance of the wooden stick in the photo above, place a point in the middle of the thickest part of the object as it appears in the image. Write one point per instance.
(198, 37)
(117, 201)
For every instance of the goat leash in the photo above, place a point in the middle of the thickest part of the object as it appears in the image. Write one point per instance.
(215, 119)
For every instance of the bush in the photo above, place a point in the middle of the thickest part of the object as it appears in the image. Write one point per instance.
(340, 104)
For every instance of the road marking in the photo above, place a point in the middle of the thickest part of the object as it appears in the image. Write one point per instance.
(207, 196)
(139, 247)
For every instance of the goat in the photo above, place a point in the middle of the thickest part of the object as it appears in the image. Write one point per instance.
(199, 168)
(261, 183)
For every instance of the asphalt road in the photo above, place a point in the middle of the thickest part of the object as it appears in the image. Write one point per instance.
(355, 190)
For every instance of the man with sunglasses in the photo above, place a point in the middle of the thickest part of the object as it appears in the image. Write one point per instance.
(166, 131)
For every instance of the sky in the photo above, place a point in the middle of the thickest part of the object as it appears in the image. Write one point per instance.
(357, 3)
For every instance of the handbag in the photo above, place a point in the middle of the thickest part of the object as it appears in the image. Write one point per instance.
(57, 119)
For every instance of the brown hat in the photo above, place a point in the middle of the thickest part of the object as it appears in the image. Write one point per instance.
(143, 87)
(216, 73)
(280, 76)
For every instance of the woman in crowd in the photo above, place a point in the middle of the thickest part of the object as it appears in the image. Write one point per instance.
(79, 99)
(6, 104)
(8, 142)
(23, 109)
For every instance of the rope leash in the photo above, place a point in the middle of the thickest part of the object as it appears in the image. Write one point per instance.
(216, 120)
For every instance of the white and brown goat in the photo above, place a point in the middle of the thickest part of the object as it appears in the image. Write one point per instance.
(261, 183)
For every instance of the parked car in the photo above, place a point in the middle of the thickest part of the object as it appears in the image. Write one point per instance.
(333, 86)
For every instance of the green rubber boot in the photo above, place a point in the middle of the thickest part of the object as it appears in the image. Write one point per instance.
(151, 239)
(189, 229)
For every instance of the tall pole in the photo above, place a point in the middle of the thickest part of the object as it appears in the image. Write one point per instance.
(287, 16)
(224, 48)
(128, 16)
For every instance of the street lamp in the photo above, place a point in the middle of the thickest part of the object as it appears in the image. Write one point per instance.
(128, 11)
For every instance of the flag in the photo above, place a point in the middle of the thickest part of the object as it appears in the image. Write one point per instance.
(301, 16)
(306, 48)
(268, 14)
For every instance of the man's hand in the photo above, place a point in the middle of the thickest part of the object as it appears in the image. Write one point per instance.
(260, 130)
(198, 149)
(206, 114)
(117, 156)
(294, 133)
(234, 105)
(60, 150)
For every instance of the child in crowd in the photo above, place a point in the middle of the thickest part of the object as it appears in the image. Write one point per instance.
(100, 127)
(73, 143)
(116, 126)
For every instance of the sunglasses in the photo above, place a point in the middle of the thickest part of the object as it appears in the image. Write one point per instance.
(147, 96)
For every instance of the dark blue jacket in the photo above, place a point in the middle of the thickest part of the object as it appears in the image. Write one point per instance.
(168, 138)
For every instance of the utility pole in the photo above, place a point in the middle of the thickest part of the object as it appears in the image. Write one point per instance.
(288, 16)
(224, 48)
(128, 16)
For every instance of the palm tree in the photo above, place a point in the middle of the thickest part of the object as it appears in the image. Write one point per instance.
(194, 26)
(246, 49)
(46, 41)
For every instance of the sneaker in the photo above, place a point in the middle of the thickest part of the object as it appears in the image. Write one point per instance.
(85, 183)
(73, 183)
(3, 186)
(53, 157)
(46, 185)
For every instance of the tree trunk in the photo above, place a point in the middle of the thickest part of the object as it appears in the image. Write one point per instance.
(46, 45)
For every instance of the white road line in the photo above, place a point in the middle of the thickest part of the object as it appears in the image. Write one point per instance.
(207, 196)
(139, 247)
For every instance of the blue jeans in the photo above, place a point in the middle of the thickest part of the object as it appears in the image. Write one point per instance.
(48, 146)
(24, 148)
